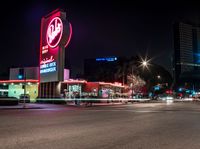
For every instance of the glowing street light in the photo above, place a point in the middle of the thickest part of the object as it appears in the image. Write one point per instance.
(158, 76)
(144, 63)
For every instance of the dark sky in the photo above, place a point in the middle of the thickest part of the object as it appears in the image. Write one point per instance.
(100, 28)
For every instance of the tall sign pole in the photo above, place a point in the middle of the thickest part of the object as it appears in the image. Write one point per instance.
(55, 35)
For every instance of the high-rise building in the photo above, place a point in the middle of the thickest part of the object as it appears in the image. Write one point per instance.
(186, 53)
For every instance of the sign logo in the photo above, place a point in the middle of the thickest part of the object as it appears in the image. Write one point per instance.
(54, 32)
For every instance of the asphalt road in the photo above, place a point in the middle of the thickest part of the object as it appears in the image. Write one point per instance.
(134, 126)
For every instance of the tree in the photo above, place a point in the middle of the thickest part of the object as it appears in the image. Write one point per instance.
(135, 82)
(132, 73)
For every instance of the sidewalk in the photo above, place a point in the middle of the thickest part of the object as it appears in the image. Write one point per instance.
(28, 106)
(55, 106)
(72, 104)
(95, 104)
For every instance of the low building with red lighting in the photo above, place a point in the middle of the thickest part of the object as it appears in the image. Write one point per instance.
(18, 85)
(69, 88)
(82, 88)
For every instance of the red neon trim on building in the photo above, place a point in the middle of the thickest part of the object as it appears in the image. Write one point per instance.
(105, 83)
(117, 85)
(111, 84)
(70, 35)
(19, 81)
(53, 30)
(75, 81)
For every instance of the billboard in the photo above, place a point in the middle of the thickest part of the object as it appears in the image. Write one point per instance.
(55, 35)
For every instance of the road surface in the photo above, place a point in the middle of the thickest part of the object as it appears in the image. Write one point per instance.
(134, 126)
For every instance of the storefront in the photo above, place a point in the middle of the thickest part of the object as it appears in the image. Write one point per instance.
(73, 88)
(17, 88)
(110, 90)
(82, 89)
(100, 89)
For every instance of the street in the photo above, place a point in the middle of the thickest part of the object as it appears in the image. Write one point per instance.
(134, 126)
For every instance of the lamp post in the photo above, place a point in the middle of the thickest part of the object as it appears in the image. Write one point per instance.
(22, 76)
(24, 105)
(158, 78)
(145, 63)
(132, 82)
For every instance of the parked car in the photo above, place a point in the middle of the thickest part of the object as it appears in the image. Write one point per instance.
(166, 97)
(8, 101)
(25, 97)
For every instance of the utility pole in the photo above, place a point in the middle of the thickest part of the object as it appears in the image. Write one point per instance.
(24, 105)
(132, 80)
(123, 78)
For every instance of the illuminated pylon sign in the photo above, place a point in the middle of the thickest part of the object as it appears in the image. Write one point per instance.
(54, 32)
(55, 35)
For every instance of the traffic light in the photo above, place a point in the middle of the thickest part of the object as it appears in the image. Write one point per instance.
(21, 74)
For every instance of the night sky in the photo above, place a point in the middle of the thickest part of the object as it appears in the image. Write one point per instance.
(100, 28)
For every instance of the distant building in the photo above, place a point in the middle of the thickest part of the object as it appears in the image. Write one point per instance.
(186, 54)
(101, 68)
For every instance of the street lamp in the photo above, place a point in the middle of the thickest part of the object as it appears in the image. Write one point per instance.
(144, 63)
(158, 76)
(158, 79)
(24, 85)
(22, 76)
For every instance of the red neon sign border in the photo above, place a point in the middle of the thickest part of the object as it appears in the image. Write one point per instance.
(70, 35)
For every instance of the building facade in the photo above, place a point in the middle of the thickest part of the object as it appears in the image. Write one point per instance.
(101, 69)
(21, 83)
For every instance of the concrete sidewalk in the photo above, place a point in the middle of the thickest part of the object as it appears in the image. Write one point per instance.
(21, 106)
(95, 104)
(32, 106)
(70, 104)
(57, 106)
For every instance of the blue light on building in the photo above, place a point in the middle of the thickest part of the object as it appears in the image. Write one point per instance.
(107, 59)
(197, 58)
(20, 77)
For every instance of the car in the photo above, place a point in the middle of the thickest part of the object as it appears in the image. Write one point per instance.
(8, 101)
(25, 97)
(165, 97)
